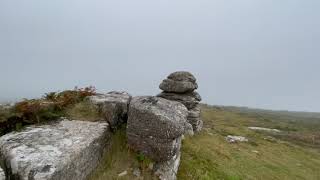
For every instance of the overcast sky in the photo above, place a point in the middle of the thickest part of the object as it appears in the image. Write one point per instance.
(257, 53)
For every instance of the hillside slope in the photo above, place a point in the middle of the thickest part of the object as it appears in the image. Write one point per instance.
(292, 154)
(280, 156)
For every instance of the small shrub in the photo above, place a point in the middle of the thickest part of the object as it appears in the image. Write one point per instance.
(71, 97)
(50, 107)
(28, 110)
(51, 96)
(140, 157)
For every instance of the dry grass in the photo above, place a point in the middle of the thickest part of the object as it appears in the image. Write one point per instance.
(83, 111)
(120, 158)
(209, 156)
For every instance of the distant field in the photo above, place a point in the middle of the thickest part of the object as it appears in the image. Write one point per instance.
(292, 154)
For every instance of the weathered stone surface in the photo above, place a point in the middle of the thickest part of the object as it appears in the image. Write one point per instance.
(114, 107)
(157, 116)
(195, 112)
(189, 129)
(2, 175)
(169, 85)
(190, 100)
(198, 127)
(179, 82)
(194, 118)
(168, 170)
(196, 123)
(182, 76)
(155, 126)
(65, 150)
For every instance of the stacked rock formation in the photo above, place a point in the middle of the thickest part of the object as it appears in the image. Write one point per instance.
(180, 86)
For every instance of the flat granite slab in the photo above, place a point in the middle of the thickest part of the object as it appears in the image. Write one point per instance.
(65, 150)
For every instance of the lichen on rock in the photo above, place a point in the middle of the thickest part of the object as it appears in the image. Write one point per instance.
(155, 126)
(62, 150)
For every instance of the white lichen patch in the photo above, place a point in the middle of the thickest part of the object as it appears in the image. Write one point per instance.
(264, 129)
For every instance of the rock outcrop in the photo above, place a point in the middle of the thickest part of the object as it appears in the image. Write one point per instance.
(71, 150)
(61, 150)
(155, 126)
(113, 106)
(180, 86)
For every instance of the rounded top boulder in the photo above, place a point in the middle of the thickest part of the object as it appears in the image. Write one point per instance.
(182, 76)
(179, 82)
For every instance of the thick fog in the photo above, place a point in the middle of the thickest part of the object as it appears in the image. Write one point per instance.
(257, 53)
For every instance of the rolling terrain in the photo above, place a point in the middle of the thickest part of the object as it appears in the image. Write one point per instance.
(292, 154)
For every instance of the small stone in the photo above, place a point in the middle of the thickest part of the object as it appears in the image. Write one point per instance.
(150, 166)
(136, 172)
(235, 139)
(264, 129)
(124, 173)
(270, 139)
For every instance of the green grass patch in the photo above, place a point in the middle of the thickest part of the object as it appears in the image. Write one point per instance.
(120, 158)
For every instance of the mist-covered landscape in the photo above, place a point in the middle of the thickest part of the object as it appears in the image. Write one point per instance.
(163, 90)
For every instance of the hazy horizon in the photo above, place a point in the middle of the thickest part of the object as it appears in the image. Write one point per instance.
(259, 54)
